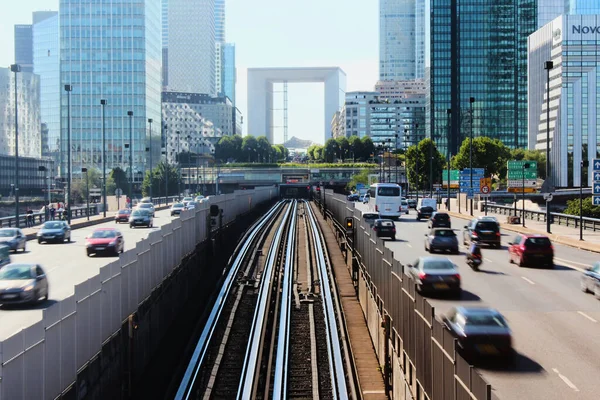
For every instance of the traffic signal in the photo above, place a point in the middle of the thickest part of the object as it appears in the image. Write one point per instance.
(349, 223)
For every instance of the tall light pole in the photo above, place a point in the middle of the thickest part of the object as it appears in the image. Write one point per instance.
(584, 164)
(471, 101)
(130, 114)
(103, 104)
(389, 160)
(449, 112)
(68, 89)
(16, 68)
(395, 151)
(87, 186)
(151, 171)
(178, 167)
(43, 168)
(431, 166)
(548, 65)
(525, 166)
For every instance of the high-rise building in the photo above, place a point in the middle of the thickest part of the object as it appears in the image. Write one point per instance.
(28, 113)
(218, 68)
(165, 41)
(24, 47)
(111, 53)
(191, 46)
(228, 75)
(220, 21)
(46, 64)
(581, 7)
(479, 50)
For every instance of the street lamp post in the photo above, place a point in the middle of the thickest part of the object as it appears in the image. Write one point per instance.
(449, 113)
(178, 167)
(87, 188)
(103, 104)
(150, 150)
(389, 160)
(471, 101)
(16, 68)
(548, 65)
(42, 168)
(396, 158)
(584, 164)
(525, 166)
(130, 114)
(68, 89)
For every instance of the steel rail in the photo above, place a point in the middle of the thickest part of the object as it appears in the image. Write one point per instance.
(283, 337)
(251, 359)
(197, 359)
(336, 362)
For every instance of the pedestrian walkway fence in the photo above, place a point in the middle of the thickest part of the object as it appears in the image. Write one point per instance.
(42, 360)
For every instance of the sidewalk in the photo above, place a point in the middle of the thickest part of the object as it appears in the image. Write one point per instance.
(560, 234)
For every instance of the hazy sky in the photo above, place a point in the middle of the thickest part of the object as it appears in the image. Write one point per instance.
(276, 33)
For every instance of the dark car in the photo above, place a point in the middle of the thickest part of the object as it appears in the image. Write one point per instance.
(441, 239)
(439, 220)
(122, 216)
(13, 238)
(353, 197)
(141, 217)
(385, 228)
(531, 250)
(480, 332)
(435, 274)
(482, 231)
(424, 212)
(54, 231)
(412, 203)
(590, 280)
(370, 217)
(23, 283)
(105, 240)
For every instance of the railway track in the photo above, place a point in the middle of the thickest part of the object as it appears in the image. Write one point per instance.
(276, 329)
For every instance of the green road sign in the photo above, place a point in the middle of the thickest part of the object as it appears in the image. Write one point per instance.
(529, 174)
(454, 175)
(516, 170)
(514, 164)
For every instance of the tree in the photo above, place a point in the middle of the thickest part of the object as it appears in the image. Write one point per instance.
(368, 148)
(490, 154)
(79, 189)
(361, 177)
(356, 147)
(420, 153)
(119, 177)
(157, 178)
(532, 155)
(331, 150)
(262, 148)
(588, 209)
(249, 146)
(343, 147)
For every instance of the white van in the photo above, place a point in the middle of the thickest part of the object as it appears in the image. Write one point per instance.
(386, 199)
(425, 208)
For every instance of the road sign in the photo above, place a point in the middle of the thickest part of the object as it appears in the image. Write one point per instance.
(516, 170)
(118, 192)
(597, 200)
(548, 196)
(469, 194)
(596, 165)
(596, 188)
(520, 190)
(517, 183)
(518, 174)
(476, 171)
(437, 185)
(518, 164)
(485, 185)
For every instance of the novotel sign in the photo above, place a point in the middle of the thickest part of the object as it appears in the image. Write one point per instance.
(585, 29)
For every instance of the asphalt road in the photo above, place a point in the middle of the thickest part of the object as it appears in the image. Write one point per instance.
(66, 265)
(556, 327)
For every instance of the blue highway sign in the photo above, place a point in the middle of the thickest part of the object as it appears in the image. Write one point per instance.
(596, 188)
(596, 164)
(597, 176)
(597, 200)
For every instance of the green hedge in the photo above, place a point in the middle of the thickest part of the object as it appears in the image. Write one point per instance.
(298, 165)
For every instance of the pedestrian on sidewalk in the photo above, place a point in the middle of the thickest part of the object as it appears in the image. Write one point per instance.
(29, 219)
(52, 212)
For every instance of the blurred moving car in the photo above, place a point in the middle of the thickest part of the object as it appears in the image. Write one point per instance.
(13, 238)
(404, 206)
(384, 228)
(441, 239)
(353, 197)
(590, 280)
(146, 200)
(425, 208)
(141, 217)
(439, 220)
(187, 200)
(199, 198)
(480, 332)
(370, 217)
(54, 231)
(122, 216)
(23, 283)
(364, 198)
(531, 250)
(489, 218)
(482, 231)
(4, 255)
(105, 240)
(435, 274)
(177, 208)
(192, 205)
(147, 207)
(412, 203)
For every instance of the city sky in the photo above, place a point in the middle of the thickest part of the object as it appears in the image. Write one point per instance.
(275, 33)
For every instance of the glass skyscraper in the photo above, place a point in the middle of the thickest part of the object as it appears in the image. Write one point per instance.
(228, 76)
(23, 47)
(110, 49)
(583, 6)
(397, 39)
(481, 54)
(220, 21)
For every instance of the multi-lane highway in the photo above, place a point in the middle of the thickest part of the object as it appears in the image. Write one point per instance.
(66, 265)
(556, 327)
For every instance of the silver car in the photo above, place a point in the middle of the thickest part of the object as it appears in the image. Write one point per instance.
(23, 283)
(13, 238)
(54, 231)
(441, 239)
(146, 207)
(435, 274)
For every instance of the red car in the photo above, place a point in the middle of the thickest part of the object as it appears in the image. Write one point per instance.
(122, 216)
(531, 250)
(105, 240)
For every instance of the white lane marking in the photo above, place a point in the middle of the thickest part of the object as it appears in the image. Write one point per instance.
(586, 316)
(566, 380)
(487, 260)
(409, 245)
(570, 264)
(528, 280)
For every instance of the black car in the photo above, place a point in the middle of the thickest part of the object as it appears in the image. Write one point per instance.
(482, 231)
(385, 228)
(412, 203)
(435, 274)
(141, 218)
(424, 212)
(480, 332)
(370, 217)
(439, 220)
(590, 280)
(441, 239)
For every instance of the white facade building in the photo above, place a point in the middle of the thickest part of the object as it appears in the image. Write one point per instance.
(338, 124)
(394, 90)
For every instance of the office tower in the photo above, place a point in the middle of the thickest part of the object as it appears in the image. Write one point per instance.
(228, 75)
(220, 21)
(192, 46)
(483, 55)
(581, 7)
(111, 53)
(28, 108)
(165, 42)
(24, 47)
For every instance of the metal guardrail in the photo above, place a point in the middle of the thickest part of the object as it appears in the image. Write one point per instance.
(591, 224)
(40, 217)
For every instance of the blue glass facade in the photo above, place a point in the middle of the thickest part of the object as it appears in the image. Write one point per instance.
(46, 64)
(23, 47)
(110, 49)
(220, 21)
(397, 45)
(584, 6)
(482, 54)
(228, 75)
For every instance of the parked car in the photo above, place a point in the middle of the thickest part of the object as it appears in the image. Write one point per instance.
(122, 216)
(105, 240)
(177, 208)
(384, 228)
(531, 250)
(482, 231)
(353, 197)
(13, 238)
(23, 283)
(439, 220)
(148, 207)
(590, 280)
(404, 205)
(412, 203)
(54, 231)
(435, 274)
(141, 217)
(441, 239)
(370, 217)
(480, 332)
